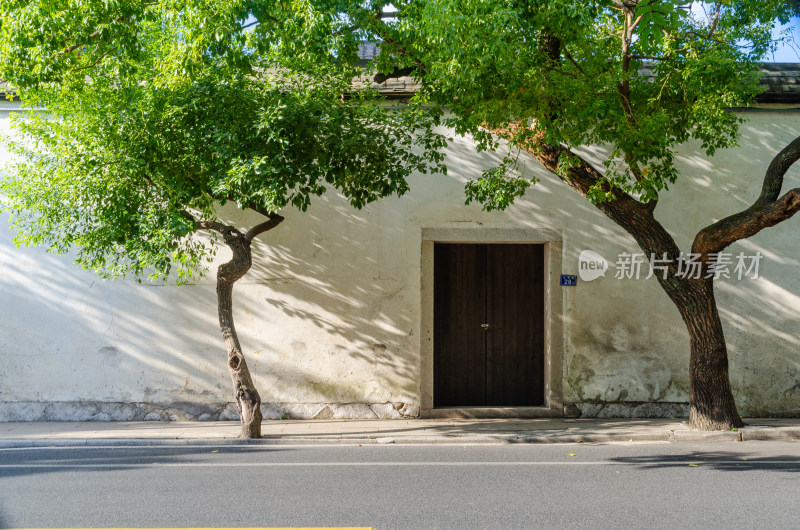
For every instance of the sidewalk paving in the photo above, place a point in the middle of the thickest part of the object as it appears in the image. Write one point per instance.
(419, 431)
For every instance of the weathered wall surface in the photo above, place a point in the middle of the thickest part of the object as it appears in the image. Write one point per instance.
(329, 316)
(626, 343)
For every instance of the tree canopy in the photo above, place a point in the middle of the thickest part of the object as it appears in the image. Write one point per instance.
(639, 76)
(159, 112)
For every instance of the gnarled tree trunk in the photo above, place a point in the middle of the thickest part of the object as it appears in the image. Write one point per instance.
(248, 402)
(711, 403)
(247, 399)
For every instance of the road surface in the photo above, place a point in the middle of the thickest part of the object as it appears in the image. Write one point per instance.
(653, 485)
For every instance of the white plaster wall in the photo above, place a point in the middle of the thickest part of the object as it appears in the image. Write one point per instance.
(625, 341)
(329, 316)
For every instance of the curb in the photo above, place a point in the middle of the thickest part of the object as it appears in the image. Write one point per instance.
(306, 440)
(745, 434)
(706, 436)
(770, 433)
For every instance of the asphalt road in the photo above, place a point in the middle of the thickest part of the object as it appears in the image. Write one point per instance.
(653, 485)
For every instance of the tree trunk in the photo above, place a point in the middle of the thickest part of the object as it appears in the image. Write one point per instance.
(711, 404)
(710, 397)
(247, 399)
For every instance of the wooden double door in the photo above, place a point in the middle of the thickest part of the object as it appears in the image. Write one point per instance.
(488, 325)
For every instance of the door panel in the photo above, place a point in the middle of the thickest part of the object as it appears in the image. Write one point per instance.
(515, 338)
(460, 309)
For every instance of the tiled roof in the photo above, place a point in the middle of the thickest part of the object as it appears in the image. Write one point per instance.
(781, 82)
(396, 87)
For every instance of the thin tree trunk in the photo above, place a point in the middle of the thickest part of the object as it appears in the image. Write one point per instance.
(247, 399)
(711, 404)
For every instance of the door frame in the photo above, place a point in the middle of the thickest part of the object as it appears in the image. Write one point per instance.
(553, 317)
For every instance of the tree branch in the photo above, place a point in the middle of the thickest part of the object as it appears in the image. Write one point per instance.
(633, 25)
(374, 15)
(96, 60)
(638, 174)
(768, 210)
(274, 220)
(581, 177)
(404, 51)
(626, 211)
(624, 90)
(573, 61)
(204, 225)
(94, 35)
(773, 179)
(652, 57)
(713, 27)
(251, 205)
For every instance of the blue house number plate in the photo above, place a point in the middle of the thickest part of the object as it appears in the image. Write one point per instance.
(570, 280)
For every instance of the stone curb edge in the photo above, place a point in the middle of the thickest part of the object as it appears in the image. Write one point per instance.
(324, 440)
(746, 434)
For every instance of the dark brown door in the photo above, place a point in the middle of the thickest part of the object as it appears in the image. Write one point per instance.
(488, 328)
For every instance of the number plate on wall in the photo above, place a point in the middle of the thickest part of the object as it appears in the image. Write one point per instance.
(570, 280)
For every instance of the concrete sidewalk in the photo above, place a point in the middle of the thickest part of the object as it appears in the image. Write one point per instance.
(433, 431)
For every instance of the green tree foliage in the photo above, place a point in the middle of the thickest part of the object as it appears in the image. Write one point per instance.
(494, 63)
(639, 77)
(169, 108)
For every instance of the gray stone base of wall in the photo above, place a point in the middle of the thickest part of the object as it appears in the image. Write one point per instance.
(627, 410)
(339, 411)
(109, 411)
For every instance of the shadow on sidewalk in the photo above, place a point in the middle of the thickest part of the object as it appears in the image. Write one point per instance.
(502, 428)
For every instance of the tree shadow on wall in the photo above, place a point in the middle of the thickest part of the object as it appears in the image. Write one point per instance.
(330, 310)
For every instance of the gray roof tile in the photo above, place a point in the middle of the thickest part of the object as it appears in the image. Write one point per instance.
(781, 81)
